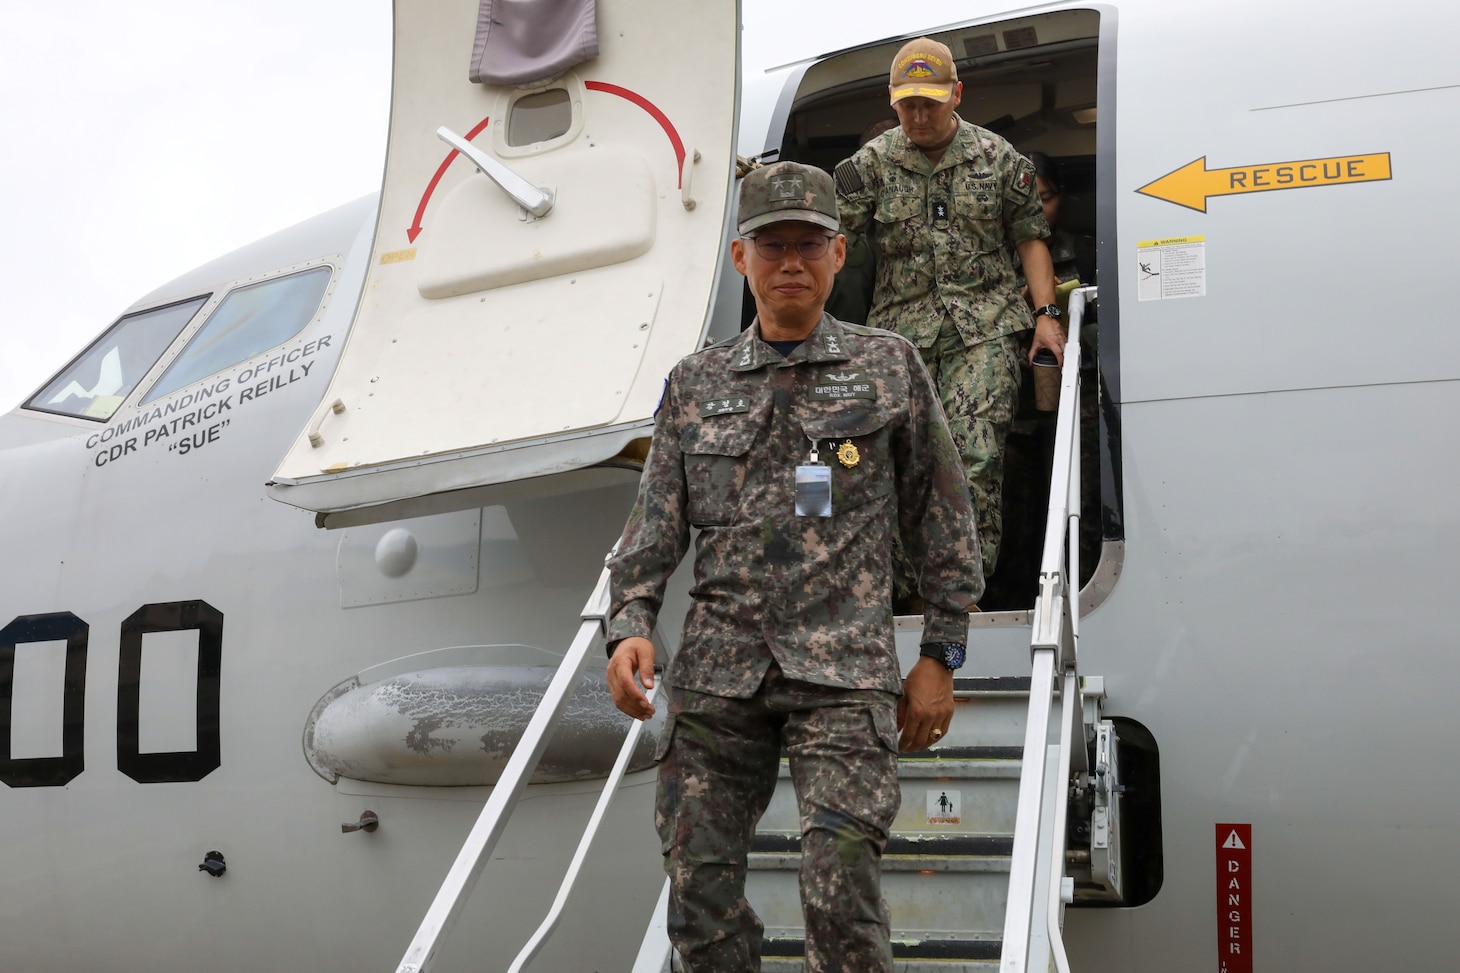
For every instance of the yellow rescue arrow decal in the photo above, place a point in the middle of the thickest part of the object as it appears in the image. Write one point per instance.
(1193, 184)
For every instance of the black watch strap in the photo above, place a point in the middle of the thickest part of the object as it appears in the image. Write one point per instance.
(951, 654)
(1049, 310)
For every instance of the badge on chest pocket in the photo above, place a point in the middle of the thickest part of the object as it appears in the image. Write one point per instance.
(813, 487)
(940, 214)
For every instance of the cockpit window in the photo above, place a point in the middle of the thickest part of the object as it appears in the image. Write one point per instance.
(92, 386)
(249, 320)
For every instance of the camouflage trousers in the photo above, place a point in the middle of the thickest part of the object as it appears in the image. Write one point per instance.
(716, 778)
(978, 386)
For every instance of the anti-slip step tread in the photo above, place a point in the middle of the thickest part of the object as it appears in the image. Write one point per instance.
(994, 845)
(913, 763)
(991, 684)
(791, 947)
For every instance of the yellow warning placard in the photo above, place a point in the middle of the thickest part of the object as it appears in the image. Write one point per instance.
(1170, 268)
(1193, 184)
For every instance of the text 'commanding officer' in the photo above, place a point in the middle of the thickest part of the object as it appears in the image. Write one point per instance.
(799, 449)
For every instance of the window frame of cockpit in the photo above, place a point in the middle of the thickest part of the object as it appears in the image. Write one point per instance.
(175, 351)
(1111, 501)
(159, 369)
(209, 302)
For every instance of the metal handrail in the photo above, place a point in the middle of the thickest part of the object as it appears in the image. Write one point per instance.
(1053, 646)
(655, 953)
(570, 878)
(472, 858)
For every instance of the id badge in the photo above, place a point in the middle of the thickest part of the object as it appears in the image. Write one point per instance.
(813, 491)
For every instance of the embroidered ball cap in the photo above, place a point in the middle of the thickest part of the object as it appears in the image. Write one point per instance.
(923, 69)
(787, 191)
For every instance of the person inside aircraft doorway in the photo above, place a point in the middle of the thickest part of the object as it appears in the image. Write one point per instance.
(798, 449)
(942, 201)
(852, 291)
(1071, 255)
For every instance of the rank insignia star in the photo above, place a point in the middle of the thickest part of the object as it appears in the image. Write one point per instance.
(847, 454)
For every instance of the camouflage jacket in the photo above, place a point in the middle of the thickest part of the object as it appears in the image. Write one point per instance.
(944, 233)
(812, 593)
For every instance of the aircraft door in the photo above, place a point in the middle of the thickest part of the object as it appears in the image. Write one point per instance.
(547, 248)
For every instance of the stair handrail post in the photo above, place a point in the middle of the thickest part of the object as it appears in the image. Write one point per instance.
(655, 953)
(585, 843)
(1053, 647)
(1071, 730)
(462, 877)
(1023, 860)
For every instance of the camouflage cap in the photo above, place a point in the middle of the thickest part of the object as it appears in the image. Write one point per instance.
(923, 68)
(787, 191)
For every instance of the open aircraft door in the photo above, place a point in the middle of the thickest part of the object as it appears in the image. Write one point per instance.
(530, 288)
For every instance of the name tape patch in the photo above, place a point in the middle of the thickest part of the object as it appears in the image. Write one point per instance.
(839, 384)
(720, 407)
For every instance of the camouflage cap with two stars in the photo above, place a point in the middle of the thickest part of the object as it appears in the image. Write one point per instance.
(787, 191)
(923, 68)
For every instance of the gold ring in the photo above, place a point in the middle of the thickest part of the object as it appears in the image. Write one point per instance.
(937, 733)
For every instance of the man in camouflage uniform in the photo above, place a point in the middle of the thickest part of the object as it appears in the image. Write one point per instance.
(798, 450)
(942, 201)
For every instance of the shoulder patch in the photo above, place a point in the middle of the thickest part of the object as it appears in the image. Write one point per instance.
(1024, 182)
(849, 178)
(722, 343)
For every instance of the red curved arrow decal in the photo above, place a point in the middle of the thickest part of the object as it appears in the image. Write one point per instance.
(415, 229)
(653, 110)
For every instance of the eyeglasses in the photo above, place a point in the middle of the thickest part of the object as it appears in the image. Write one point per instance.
(774, 248)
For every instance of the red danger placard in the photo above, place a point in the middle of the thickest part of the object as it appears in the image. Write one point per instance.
(1234, 898)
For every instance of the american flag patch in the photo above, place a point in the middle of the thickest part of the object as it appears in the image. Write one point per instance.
(1026, 180)
(848, 179)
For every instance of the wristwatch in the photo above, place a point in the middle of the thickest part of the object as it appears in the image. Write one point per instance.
(1048, 311)
(949, 653)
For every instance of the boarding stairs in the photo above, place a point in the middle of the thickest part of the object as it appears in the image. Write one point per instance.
(1001, 823)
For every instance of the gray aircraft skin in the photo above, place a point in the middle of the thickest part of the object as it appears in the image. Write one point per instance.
(1281, 399)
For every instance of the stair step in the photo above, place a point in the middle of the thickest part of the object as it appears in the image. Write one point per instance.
(989, 685)
(951, 846)
(983, 783)
(945, 869)
(930, 895)
(939, 761)
(786, 953)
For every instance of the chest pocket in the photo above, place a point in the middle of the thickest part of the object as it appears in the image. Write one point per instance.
(854, 442)
(715, 451)
(979, 216)
(899, 222)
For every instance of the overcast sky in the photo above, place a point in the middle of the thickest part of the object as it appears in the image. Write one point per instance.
(145, 138)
